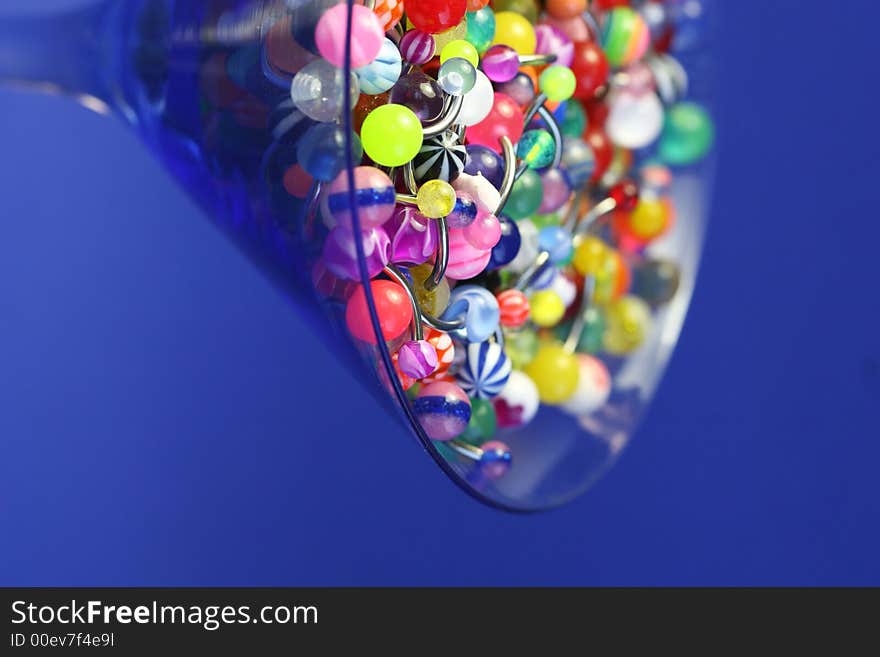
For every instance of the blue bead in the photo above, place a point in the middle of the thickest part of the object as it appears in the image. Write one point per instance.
(508, 245)
(321, 152)
(478, 307)
(486, 161)
(556, 241)
(383, 72)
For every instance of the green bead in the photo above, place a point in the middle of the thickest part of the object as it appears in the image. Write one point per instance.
(687, 134)
(482, 424)
(590, 341)
(574, 120)
(536, 148)
(462, 49)
(545, 220)
(521, 347)
(557, 83)
(525, 197)
(391, 135)
(481, 28)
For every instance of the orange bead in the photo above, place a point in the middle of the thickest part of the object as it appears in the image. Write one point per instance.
(475, 5)
(566, 8)
(389, 12)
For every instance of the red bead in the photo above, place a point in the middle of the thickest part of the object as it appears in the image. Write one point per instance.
(392, 306)
(514, 307)
(590, 68)
(435, 16)
(603, 151)
(626, 194)
(504, 119)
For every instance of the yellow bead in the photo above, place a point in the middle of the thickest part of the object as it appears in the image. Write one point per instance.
(589, 256)
(436, 198)
(434, 301)
(546, 308)
(460, 48)
(555, 373)
(628, 321)
(515, 31)
(650, 218)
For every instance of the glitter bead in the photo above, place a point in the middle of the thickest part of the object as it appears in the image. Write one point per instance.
(536, 148)
(435, 199)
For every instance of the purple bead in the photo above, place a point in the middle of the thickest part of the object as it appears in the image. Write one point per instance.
(481, 159)
(520, 88)
(553, 41)
(420, 93)
(500, 63)
(417, 359)
(340, 252)
(417, 47)
(413, 236)
(557, 190)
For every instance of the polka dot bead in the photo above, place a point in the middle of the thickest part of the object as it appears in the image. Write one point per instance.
(367, 35)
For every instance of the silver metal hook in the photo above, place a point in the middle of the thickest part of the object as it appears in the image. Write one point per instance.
(398, 277)
(449, 115)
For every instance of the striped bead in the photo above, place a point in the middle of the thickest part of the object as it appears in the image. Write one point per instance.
(389, 12)
(442, 342)
(417, 47)
(514, 307)
(485, 370)
(440, 158)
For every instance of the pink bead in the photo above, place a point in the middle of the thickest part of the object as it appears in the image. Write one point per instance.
(417, 47)
(500, 63)
(557, 190)
(366, 35)
(484, 232)
(553, 41)
(465, 260)
(417, 359)
(575, 28)
(374, 198)
(505, 119)
(443, 409)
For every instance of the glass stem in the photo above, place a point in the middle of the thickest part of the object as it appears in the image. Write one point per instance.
(61, 53)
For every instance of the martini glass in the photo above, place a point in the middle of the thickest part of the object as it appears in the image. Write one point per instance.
(206, 86)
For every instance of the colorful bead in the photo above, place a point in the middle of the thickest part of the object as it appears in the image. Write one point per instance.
(514, 308)
(482, 425)
(536, 148)
(546, 308)
(593, 388)
(550, 40)
(366, 35)
(485, 370)
(521, 88)
(500, 63)
(389, 12)
(340, 252)
(465, 260)
(392, 308)
(688, 134)
(373, 197)
(420, 93)
(496, 460)
(505, 119)
(481, 28)
(413, 236)
(556, 241)
(485, 161)
(434, 16)
(464, 213)
(457, 76)
(443, 410)
(383, 72)
(478, 188)
(417, 47)
(417, 359)
(526, 196)
(318, 90)
(557, 83)
(435, 199)
(555, 373)
(440, 158)
(391, 135)
(625, 36)
(483, 232)
(477, 102)
(518, 402)
(590, 68)
(478, 308)
(566, 8)
(461, 49)
(515, 31)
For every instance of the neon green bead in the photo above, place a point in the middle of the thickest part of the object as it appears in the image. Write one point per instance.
(555, 373)
(546, 308)
(557, 83)
(436, 198)
(460, 48)
(391, 135)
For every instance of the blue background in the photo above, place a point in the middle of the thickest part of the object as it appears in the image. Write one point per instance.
(166, 419)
